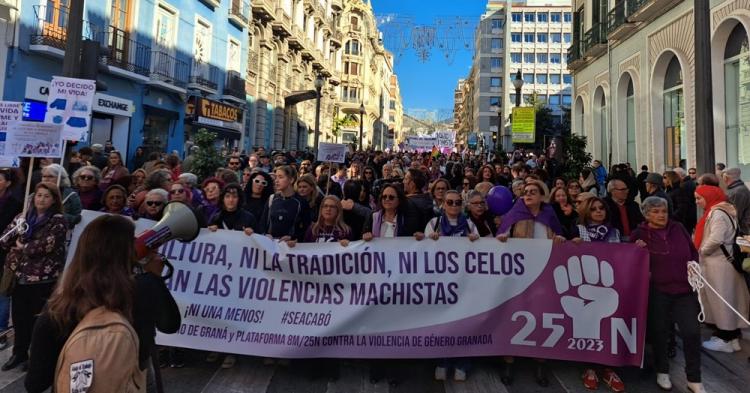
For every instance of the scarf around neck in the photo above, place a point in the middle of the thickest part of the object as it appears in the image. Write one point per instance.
(520, 212)
(713, 196)
(460, 229)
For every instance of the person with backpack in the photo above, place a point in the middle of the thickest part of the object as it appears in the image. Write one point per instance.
(97, 330)
(714, 238)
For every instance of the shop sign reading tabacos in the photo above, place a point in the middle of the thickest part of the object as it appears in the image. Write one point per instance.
(215, 110)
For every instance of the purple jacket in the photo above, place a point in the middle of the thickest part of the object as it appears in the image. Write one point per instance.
(670, 250)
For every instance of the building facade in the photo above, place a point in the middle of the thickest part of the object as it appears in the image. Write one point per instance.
(295, 42)
(170, 67)
(634, 68)
(531, 36)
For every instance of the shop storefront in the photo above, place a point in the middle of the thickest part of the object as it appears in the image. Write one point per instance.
(110, 119)
(223, 119)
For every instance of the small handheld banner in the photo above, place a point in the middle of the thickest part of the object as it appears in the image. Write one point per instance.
(32, 139)
(332, 152)
(10, 112)
(400, 298)
(69, 104)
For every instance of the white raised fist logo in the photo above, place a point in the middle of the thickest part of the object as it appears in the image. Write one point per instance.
(595, 300)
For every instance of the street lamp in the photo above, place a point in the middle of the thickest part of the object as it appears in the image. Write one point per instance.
(318, 86)
(518, 84)
(361, 123)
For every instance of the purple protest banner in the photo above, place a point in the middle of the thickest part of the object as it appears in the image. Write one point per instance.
(401, 298)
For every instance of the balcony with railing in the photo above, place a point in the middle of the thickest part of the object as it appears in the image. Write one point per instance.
(648, 10)
(595, 40)
(204, 77)
(297, 39)
(125, 56)
(282, 25)
(264, 9)
(618, 19)
(168, 72)
(337, 39)
(234, 89)
(575, 56)
(49, 33)
(239, 13)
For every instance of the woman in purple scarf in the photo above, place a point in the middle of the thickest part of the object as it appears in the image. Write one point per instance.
(530, 218)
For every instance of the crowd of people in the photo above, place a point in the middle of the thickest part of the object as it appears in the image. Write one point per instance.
(676, 215)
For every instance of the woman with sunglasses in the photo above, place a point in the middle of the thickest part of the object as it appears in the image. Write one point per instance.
(467, 186)
(113, 171)
(594, 226)
(178, 192)
(259, 189)
(389, 221)
(671, 299)
(480, 215)
(369, 175)
(86, 184)
(574, 188)
(530, 218)
(154, 204)
(452, 223)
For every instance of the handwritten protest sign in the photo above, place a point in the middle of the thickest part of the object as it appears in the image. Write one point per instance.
(399, 298)
(332, 152)
(32, 139)
(69, 105)
(10, 112)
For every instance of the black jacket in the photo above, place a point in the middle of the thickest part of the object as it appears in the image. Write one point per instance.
(635, 217)
(420, 210)
(236, 221)
(685, 210)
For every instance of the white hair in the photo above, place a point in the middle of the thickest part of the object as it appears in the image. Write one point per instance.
(160, 192)
(58, 171)
(653, 202)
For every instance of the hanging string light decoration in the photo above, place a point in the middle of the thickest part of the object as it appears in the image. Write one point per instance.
(448, 35)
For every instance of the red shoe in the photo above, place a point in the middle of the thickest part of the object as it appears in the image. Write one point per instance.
(590, 380)
(613, 380)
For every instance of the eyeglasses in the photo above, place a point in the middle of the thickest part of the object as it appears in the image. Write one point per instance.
(154, 203)
(260, 181)
(453, 202)
(86, 177)
(467, 184)
(480, 203)
(177, 191)
(598, 208)
(234, 163)
(388, 197)
(531, 192)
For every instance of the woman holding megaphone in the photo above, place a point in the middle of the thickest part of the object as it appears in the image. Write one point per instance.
(100, 278)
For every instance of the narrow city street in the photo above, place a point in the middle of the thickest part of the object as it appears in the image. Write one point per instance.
(722, 373)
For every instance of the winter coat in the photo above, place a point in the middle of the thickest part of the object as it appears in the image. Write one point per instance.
(739, 195)
(670, 249)
(43, 257)
(720, 229)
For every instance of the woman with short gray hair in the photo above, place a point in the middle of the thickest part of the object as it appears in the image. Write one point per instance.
(670, 249)
(57, 175)
(86, 183)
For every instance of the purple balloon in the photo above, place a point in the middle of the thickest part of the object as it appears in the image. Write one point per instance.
(499, 200)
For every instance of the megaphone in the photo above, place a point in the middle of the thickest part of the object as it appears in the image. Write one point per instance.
(179, 222)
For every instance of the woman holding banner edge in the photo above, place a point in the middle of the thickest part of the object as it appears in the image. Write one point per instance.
(389, 221)
(530, 218)
(452, 223)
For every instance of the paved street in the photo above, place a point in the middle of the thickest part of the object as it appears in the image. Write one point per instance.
(722, 373)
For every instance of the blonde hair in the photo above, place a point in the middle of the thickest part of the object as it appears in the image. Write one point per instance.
(310, 180)
(339, 224)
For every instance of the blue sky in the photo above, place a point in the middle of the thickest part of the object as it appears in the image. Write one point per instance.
(430, 85)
